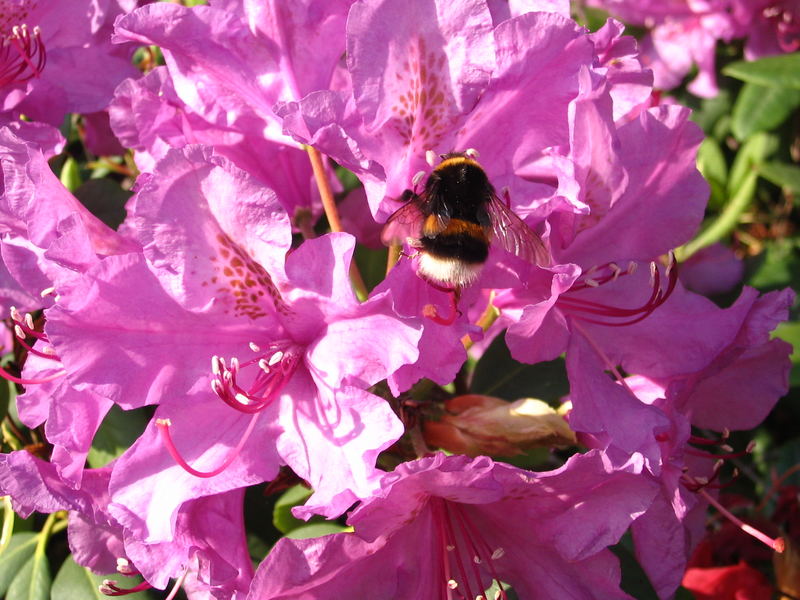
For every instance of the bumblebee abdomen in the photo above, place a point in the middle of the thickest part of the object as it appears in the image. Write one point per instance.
(460, 240)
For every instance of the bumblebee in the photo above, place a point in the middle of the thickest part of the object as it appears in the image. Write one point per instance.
(453, 221)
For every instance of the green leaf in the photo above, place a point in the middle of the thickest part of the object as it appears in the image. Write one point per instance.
(105, 199)
(32, 582)
(8, 391)
(74, 582)
(790, 332)
(754, 152)
(116, 434)
(634, 579)
(712, 164)
(782, 174)
(314, 530)
(282, 516)
(775, 71)
(347, 178)
(18, 552)
(70, 174)
(498, 374)
(761, 108)
(710, 113)
(372, 264)
(777, 267)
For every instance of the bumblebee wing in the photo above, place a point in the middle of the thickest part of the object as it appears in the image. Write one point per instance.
(513, 234)
(406, 222)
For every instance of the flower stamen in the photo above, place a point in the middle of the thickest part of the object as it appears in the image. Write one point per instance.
(164, 427)
(22, 55)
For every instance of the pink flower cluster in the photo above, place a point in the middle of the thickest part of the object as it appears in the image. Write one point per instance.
(250, 352)
(684, 33)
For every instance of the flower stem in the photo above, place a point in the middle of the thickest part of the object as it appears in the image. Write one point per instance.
(332, 212)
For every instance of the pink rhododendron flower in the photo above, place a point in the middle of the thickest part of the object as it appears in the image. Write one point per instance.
(209, 532)
(230, 64)
(47, 238)
(449, 526)
(684, 33)
(255, 358)
(712, 270)
(57, 57)
(566, 160)
(148, 116)
(736, 389)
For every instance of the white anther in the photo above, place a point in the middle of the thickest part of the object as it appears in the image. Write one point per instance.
(750, 447)
(29, 320)
(262, 364)
(216, 367)
(18, 332)
(632, 266)
(37, 30)
(49, 350)
(701, 480)
(670, 263)
(718, 465)
(452, 584)
(471, 153)
(15, 314)
(615, 270)
(430, 157)
(47, 291)
(275, 358)
(418, 176)
(477, 560)
(653, 269)
(591, 283)
(216, 387)
(164, 422)
(450, 547)
(124, 566)
(15, 30)
(726, 448)
(480, 597)
(499, 553)
(241, 398)
(254, 347)
(726, 433)
(235, 364)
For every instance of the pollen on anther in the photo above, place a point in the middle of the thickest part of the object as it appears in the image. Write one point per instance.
(275, 358)
(430, 157)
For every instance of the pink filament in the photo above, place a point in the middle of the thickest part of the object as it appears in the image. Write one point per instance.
(777, 544)
(163, 427)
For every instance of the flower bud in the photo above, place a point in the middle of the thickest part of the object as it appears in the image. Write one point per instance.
(475, 424)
